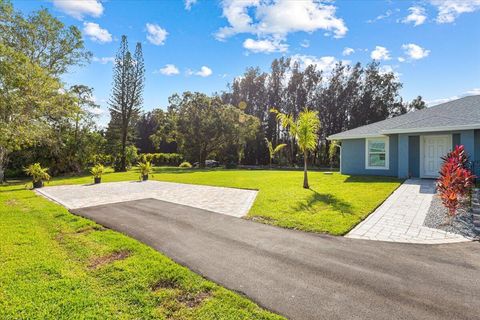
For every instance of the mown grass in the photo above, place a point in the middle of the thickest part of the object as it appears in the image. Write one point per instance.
(334, 203)
(54, 265)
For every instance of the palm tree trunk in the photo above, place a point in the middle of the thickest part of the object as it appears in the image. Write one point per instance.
(305, 176)
(3, 163)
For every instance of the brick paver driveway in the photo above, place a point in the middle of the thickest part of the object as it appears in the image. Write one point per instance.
(230, 201)
(400, 218)
(307, 276)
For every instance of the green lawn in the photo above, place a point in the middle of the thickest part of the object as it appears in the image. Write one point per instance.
(57, 265)
(334, 203)
(54, 265)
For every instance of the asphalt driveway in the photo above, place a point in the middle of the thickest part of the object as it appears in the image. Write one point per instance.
(302, 275)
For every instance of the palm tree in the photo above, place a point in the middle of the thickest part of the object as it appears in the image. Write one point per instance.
(304, 130)
(273, 151)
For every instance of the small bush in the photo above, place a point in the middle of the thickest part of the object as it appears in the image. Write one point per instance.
(131, 155)
(103, 159)
(145, 168)
(231, 165)
(146, 157)
(97, 171)
(37, 172)
(185, 164)
(455, 179)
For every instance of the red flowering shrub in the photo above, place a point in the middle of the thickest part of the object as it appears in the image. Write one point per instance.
(455, 179)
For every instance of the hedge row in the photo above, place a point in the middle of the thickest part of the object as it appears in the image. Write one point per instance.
(162, 159)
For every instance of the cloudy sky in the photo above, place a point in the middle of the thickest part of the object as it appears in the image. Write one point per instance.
(200, 45)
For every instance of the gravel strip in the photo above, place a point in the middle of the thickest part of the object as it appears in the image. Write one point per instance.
(462, 224)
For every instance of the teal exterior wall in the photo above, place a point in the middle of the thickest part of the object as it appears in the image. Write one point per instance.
(414, 156)
(456, 140)
(404, 158)
(353, 158)
(476, 155)
(467, 138)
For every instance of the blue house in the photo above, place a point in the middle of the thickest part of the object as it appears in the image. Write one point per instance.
(411, 145)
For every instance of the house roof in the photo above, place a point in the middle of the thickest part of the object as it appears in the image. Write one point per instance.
(460, 114)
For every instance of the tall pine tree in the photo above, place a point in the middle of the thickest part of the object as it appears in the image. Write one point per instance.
(126, 100)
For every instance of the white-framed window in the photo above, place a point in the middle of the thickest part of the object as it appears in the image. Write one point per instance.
(376, 153)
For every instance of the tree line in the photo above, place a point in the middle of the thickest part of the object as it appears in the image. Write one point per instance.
(344, 98)
(41, 118)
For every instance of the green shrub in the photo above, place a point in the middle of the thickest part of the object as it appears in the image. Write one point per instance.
(103, 159)
(117, 163)
(231, 165)
(37, 172)
(131, 155)
(161, 159)
(97, 171)
(185, 164)
(145, 168)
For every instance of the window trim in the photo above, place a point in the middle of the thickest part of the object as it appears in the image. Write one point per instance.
(386, 139)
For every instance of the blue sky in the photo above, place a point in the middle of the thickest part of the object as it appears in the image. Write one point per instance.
(432, 45)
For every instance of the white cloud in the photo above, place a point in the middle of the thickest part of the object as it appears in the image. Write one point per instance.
(434, 102)
(474, 92)
(380, 53)
(415, 52)
(80, 8)
(348, 51)
(387, 14)
(169, 70)
(189, 4)
(156, 34)
(326, 63)
(386, 68)
(96, 33)
(471, 92)
(96, 111)
(401, 59)
(417, 16)
(203, 72)
(265, 46)
(274, 20)
(305, 43)
(449, 10)
(103, 60)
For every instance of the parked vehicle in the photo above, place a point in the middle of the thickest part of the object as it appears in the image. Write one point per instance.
(208, 164)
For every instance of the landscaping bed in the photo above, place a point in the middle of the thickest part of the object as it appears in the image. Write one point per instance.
(437, 218)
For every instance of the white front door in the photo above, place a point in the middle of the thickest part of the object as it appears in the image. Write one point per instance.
(434, 148)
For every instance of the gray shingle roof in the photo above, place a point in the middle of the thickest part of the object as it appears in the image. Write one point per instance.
(463, 113)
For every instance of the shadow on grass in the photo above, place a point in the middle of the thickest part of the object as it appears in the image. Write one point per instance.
(185, 170)
(366, 179)
(326, 199)
(18, 187)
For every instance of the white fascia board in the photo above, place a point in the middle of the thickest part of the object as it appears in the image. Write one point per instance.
(359, 136)
(432, 129)
(383, 133)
